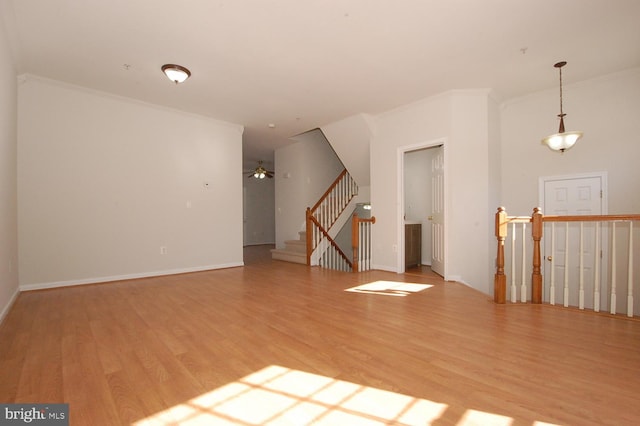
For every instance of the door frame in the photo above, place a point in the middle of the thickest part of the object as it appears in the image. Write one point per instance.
(604, 237)
(400, 255)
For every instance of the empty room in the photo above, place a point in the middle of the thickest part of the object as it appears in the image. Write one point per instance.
(288, 212)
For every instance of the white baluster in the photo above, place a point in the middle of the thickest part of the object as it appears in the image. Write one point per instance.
(513, 263)
(369, 246)
(596, 271)
(362, 246)
(581, 291)
(566, 266)
(613, 268)
(552, 284)
(523, 282)
(630, 274)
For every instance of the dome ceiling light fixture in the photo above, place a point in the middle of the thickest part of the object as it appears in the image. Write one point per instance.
(562, 140)
(176, 73)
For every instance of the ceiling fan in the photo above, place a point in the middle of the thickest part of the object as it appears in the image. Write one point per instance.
(260, 172)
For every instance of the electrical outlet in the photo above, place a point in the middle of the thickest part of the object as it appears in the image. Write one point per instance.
(163, 250)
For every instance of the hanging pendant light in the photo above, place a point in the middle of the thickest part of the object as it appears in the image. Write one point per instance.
(176, 73)
(562, 140)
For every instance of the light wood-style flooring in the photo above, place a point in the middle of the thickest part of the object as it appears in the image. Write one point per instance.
(281, 343)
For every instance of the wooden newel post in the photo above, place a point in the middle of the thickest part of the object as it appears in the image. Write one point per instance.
(309, 235)
(355, 240)
(536, 276)
(500, 279)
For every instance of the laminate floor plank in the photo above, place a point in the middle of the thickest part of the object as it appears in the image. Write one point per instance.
(196, 347)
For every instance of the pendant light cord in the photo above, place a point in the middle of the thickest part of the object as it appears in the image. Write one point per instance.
(561, 113)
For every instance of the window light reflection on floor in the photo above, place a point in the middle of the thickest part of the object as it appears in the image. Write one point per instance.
(389, 288)
(277, 395)
(280, 396)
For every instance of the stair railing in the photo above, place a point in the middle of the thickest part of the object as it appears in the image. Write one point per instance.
(321, 217)
(587, 242)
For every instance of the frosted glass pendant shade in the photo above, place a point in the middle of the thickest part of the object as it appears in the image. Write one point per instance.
(562, 141)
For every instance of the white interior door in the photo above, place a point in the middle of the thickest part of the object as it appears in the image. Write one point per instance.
(580, 195)
(437, 212)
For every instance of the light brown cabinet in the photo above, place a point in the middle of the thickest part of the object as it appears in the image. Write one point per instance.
(412, 245)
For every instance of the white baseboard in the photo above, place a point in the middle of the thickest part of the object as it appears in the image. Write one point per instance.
(385, 268)
(42, 286)
(9, 304)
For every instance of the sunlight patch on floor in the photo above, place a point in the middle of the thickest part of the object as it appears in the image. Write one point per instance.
(480, 418)
(389, 288)
(277, 395)
(280, 396)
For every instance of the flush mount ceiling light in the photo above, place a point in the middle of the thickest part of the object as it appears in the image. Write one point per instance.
(176, 73)
(562, 140)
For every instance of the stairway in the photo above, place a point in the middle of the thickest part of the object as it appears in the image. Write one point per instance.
(294, 250)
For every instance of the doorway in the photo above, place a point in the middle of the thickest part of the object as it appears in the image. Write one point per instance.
(422, 208)
(582, 194)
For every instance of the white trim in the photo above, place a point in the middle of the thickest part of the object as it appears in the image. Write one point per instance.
(26, 77)
(42, 286)
(385, 268)
(9, 304)
(458, 279)
(400, 206)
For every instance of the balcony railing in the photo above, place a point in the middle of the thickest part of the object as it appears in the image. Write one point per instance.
(575, 267)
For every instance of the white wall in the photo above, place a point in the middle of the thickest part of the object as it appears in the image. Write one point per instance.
(410, 125)
(470, 220)
(350, 139)
(605, 109)
(460, 119)
(259, 211)
(417, 185)
(304, 171)
(8, 185)
(104, 182)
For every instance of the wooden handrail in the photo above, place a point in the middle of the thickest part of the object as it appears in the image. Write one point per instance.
(326, 211)
(592, 218)
(328, 191)
(331, 241)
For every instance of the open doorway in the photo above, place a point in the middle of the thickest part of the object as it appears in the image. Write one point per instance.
(422, 213)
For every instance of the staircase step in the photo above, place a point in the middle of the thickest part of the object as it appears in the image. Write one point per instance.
(289, 256)
(296, 246)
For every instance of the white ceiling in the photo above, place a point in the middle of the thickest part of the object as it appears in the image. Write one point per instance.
(301, 64)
